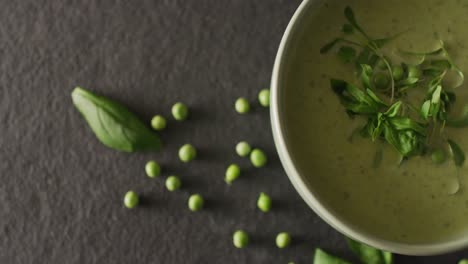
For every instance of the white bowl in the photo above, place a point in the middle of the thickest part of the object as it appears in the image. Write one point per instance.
(278, 126)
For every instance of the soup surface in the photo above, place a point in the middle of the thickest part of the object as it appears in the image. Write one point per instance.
(417, 202)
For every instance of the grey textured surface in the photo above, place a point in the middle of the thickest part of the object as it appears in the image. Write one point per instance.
(61, 191)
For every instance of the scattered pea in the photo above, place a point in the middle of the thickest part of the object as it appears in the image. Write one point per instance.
(381, 80)
(195, 202)
(232, 173)
(173, 183)
(258, 158)
(240, 239)
(158, 122)
(180, 111)
(243, 149)
(463, 261)
(264, 202)
(438, 156)
(264, 97)
(242, 106)
(152, 169)
(131, 199)
(414, 71)
(283, 240)
(397, 72)
(187, 153)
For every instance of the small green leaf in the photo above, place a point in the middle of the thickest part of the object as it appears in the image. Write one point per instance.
(322, 257)
(366, 75)
(406, 123)
(394, 109)
(349, 14)
(436, 95)
(347, 54)
(375, 97)
(457, 153)
(113, 124)
(425, 109)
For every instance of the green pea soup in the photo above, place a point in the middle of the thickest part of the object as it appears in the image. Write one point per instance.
(418, 202)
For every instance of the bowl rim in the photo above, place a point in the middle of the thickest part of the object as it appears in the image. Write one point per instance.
(301, 186)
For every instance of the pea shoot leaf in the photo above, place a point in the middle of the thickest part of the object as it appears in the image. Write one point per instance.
(349, 15)
(394, 109)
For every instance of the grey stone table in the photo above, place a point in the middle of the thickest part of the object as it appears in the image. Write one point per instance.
(61, 191)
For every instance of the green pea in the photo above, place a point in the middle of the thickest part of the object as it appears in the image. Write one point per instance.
(131, 199)
(187, 153)
(180, 111)
(438, 156)
(283, 240)
(195, 202)
(463, 261)
(397, 72)
(264, 97)
(381, 80)
(258, 158)
(240, 239)
(173, 183)
(152, 169)
(264, 202)
(232, 173)
(243, 149)
(158, 122)
(414, 71)
(242, 106)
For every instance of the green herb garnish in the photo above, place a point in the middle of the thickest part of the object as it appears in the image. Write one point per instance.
(113, 124)
(382, 100)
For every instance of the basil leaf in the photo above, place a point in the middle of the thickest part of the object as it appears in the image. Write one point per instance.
(368, 254)
(113, 124)
(346, 54)
(457, 152)
(322, 257)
